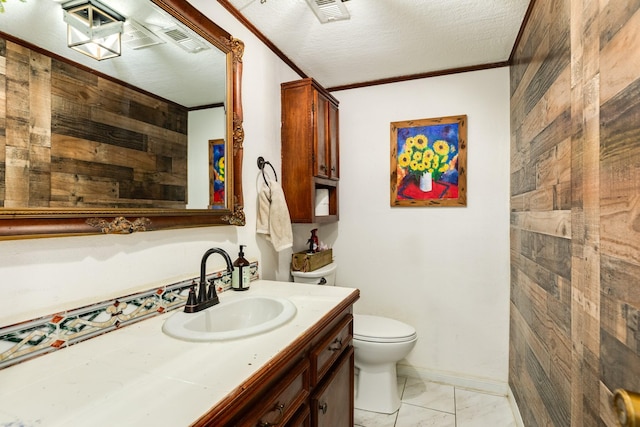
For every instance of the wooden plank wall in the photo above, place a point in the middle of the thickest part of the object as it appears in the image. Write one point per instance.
(70, 138)
(575, 203)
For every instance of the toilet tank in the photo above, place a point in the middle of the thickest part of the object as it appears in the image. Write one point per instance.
(323, 276)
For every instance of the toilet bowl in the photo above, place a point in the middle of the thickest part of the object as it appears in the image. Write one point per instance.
(379, 342)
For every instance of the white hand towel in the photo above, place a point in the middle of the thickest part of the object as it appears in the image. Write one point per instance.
(264, 201)
(273, 217)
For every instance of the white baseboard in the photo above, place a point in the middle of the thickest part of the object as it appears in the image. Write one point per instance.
(484, 385)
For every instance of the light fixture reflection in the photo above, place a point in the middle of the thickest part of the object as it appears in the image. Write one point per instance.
(93, 29)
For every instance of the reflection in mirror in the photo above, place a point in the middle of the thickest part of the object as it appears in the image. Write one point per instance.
(201, 123)
(94, 146)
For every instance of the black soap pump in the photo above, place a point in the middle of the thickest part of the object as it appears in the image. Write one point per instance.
(240, 278)
(314, 243)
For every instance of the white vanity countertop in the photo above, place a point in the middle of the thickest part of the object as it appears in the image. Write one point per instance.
(139, 376)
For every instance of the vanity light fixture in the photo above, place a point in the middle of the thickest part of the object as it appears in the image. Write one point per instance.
(93, 28)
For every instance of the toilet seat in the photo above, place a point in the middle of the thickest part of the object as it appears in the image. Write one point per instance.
(381, 329)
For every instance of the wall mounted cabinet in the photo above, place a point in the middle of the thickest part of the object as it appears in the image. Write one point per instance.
(310, 151)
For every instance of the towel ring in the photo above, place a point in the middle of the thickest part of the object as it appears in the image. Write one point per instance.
(261, 163)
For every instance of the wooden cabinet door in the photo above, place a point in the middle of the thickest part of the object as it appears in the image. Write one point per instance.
(333, 145)
(321, 135)
(332, 402)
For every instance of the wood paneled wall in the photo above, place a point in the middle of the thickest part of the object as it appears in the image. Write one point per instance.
(575, 202)
(70, 138)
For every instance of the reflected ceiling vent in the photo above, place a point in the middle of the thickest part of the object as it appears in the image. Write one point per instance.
(136, 36)
(329, 10)
(183, 38)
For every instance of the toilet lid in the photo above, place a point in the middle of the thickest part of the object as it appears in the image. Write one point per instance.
(381, 329)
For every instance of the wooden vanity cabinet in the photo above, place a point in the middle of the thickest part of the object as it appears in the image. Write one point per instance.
(309, 384)
(310, 149)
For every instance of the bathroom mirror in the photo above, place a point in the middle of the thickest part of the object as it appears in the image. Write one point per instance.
(165, 96)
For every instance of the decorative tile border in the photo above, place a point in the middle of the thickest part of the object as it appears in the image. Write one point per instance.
(32, 338)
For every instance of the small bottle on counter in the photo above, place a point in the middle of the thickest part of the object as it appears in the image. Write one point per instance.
(240, 278)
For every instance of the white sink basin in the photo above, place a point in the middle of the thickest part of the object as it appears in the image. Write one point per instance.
(238, 318)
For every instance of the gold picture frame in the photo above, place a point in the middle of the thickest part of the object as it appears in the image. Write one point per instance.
(429, 162)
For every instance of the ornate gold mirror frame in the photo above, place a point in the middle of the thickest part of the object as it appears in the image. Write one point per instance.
(49, 222)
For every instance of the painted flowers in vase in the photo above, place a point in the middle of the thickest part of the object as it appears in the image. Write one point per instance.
(4, 1)
(425, 162)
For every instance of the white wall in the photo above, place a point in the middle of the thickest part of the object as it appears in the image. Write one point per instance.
(444, 270)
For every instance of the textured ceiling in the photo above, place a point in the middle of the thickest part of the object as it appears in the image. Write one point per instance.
(386, 39)
(383, 39)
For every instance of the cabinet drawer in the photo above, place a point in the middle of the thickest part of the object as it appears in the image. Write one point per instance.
(278, 407)
(302, 418)
(330, 348)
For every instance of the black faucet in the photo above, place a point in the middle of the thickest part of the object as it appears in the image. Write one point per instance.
(206, 298)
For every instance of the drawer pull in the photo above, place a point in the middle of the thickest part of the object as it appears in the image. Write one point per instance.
(323, 408)
(336, 345)
(279, 408)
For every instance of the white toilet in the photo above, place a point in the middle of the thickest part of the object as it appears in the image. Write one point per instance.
(379, 344)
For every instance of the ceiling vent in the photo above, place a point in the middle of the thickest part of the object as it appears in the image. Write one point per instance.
(183, 38)
(136, 36)
(329, 10)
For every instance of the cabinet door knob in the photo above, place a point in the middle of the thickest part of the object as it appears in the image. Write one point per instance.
(279, 408)
(323, 408)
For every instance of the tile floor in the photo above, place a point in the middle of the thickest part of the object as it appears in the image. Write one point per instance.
(429, 404)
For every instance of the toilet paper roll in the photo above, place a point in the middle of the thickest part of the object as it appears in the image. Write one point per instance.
(322, 202)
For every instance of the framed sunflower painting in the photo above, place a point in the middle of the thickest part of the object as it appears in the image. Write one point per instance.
(429, 162)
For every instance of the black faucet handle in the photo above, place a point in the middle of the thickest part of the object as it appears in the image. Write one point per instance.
(191, 298)
(212, 296)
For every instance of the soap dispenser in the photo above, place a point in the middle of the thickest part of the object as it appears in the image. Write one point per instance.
(313, 242)
(240, 278)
